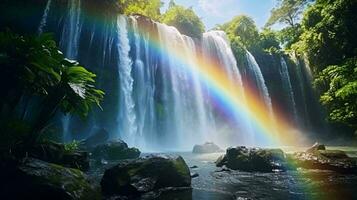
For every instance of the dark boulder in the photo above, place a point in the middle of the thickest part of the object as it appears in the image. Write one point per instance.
(253, 159)
(31, 178)
(207, 147)
(317, 157)
(136, 177)
(56, 153)
(114, 150)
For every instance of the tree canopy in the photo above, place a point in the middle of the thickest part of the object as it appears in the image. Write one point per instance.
(184, 19)
(287, 12)
(149, 8)
(329, 42)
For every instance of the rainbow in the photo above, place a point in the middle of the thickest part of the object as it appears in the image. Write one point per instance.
(228, 95)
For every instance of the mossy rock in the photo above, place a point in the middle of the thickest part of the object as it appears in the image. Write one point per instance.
(56, 153)
(35, 179)
(318, 157)
(135, 177)
(253, 159)
(114, 150)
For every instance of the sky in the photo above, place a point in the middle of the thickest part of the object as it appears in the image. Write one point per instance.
(213, 12)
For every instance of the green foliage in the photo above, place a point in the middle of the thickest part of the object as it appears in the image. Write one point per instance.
(268, 41)
(287, 12)
(243, 34)
(34, 68)
(340, 85)
(290, 35)
(329, 33)
(242, 28)
(185, 20)
(72, 146)
(149, 8)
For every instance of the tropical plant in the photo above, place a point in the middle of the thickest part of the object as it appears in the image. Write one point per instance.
(33, 69)
(339, 83)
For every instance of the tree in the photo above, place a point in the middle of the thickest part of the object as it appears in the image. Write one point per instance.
(149, 8)
(339, 83)
(185, 20)
(172, 3)
(32, 68)
(287, 12)
(328, 40)
(244, 28)
(268, 41)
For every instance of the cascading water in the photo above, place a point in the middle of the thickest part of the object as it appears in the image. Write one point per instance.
(162, 100)
(284, 72)
(259, 79)
(182, 104)
(43, 22)
(69, 43)
(126, 114)
(144, 85)
(216, 48)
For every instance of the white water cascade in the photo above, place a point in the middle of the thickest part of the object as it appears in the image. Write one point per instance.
(258, 76)
(164, 103)
(43, 22)
(126, 114)
(69, 43)
(284, 72)
(216, 48)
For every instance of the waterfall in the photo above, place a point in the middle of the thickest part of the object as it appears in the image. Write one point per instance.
(182, 100)
(43, 22)
(163, 102)
(69, 43)
(288, 87)
(216, 48)
(126, 114)
(258, 77)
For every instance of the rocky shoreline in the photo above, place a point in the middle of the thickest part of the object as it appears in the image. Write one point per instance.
(48, 171)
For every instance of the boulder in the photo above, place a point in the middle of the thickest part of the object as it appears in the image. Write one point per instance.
(31, 178)
(315, 147)
(253, 159)
(136, 177)
(114, 150)
(207, 147)
(99, 137)
(55, 153)
(317, 157)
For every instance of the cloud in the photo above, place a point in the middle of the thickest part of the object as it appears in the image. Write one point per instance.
(211, 6)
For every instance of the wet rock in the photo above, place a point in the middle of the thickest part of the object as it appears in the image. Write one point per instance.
(99, 137)
(114, 150)
(194, 175)
(315, 147)
(138, 176)
(55, 153)
(317, 157)
(194, 167)
(253, 159)
(207, 147)
(223, 169)
(31, 178)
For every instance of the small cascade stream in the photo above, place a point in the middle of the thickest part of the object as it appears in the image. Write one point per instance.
(258, 77)
(284, 72)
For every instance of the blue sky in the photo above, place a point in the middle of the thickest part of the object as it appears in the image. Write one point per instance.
(214, 12)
